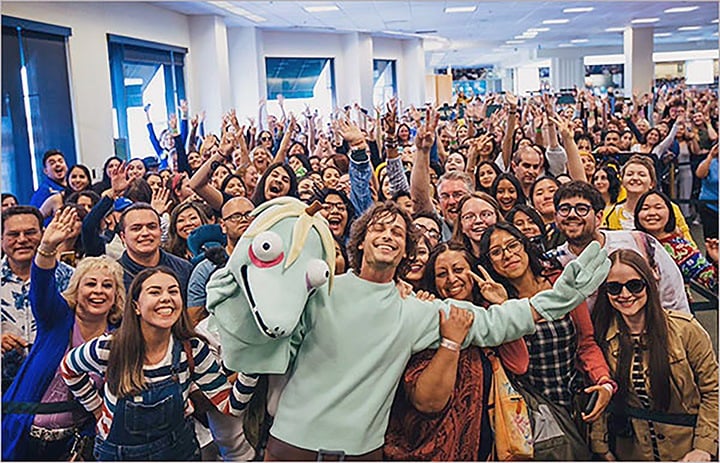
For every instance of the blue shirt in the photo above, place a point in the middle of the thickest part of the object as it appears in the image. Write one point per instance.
(46, 189)
(709, 190)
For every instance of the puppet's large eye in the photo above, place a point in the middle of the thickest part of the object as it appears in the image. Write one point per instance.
(317, 274)
(267, 246)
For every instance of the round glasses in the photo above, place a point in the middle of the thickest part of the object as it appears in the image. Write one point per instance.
(581, 209)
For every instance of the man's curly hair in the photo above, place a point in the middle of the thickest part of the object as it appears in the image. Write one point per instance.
(381, 211)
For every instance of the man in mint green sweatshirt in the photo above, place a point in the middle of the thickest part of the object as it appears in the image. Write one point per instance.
(347, 362)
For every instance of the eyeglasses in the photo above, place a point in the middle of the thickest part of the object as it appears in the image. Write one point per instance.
(456, 195)
(581, 209)
(472, 217)
(339, 206)
(265, 139)
(238, 216)
(513, 247)
(428, 231)
(635, 286)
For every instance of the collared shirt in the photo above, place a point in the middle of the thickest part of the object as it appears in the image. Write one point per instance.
(17, 317)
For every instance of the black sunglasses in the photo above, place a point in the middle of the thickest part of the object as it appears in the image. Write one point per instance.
(265, 138)
(635, 286)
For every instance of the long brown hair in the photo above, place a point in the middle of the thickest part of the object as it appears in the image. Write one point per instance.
(458, 234)
(656, 333)
(175, 244)
(125, 375)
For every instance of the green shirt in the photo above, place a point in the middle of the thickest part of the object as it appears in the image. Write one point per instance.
(353, 354)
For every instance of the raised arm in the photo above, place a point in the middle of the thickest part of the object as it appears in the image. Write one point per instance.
(151, 131)
(286, 139)
(574, 163)
(507, 143)
(420, 175)
(359, 169)
(395, 168)
(200, 181)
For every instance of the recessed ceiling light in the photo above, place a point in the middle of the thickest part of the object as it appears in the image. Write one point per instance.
(556, 21)
(579, 41)
(681, 9)
(615, 29)
(514, 42)
(321, 8)
(231, 8)
(662, 34)
(645, 20)
(715, 21)
(583, 9)
(565, 45)
(460, 9)
(689, 28)
(694, 39)
(538, 29)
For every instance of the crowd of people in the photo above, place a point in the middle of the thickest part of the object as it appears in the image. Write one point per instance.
(492, 205)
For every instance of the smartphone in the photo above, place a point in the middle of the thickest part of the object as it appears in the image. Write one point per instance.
(592, 401)
(491, 109)
(565, 98)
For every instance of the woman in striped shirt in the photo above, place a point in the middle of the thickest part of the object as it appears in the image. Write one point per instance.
(666, 408)
(150, 363)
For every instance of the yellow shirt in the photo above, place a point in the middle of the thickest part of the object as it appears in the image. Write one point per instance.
(618, 218)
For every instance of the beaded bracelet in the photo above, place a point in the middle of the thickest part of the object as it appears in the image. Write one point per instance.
(46, 253)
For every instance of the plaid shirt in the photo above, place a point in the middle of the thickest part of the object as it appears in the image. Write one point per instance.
(552, 350)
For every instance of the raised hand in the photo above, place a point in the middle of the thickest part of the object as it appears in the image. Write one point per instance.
(184, 107)
(426, 131)
(227, 144)
(456, 325)
(511, 99)
(565, 126)
(161, 200)
(492, 291)
(350, 132)
(60, 228)
(194, 121)
(172, 122)
(118, 179)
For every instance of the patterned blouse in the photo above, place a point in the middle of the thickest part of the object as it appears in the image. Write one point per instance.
(692, 264)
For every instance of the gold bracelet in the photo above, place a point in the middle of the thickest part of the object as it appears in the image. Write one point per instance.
(46, 253)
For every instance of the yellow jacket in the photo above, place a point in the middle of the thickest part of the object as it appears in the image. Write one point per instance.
(693, 390)
(617, 218)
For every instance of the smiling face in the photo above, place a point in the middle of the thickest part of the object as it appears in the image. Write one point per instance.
(654, 215)
(187, 221)
(652, 137)
(542, 198)
(335, 212)
(455, 162)
(96, 293)
(331, 177)
(55, 168)
(506, 195)
(507, 255)
(261, 159)
(588, 162)
(631, 306)
(159, 303)
(305, 189)
(452, 276)
(417, 266)
(384, 243)
(21, 234)
(251, 178)
(486, 176)
(194, 160)
(218, 176)
(277, 183)
(600, 181)
(578, 230)
(476, 216)
(636, 179)
(235, 188)
(78, 180)
(141, 233)
(451, 192)
(135, 169)
(524, 223)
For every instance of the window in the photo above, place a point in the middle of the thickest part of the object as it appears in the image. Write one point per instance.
(384, 81)
(302, 81)
(143, 72)
(36, 105)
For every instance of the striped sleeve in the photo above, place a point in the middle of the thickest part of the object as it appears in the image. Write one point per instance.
(89, 357)
(209, 377)
(396, 174)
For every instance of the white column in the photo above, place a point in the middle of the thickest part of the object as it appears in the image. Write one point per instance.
(248, 79)
(365, 63)
(347, 71)
(411, 73)
(210, 68)
(567, 72)
(639, 69)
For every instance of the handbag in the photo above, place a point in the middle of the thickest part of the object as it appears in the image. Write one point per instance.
(509, 417)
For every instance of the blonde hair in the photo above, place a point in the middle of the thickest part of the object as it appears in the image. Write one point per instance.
(89, 264)
(644, 161)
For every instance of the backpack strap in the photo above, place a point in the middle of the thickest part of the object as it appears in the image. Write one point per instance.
(188, 353)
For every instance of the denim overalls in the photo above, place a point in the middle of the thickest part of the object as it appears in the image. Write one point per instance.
(152, 425)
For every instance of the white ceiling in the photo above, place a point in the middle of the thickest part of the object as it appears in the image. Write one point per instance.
(465, 39)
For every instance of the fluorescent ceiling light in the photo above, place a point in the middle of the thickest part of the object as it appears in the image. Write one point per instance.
(232, 8)
(514, 42)
(615, 29)
(694, 39)
(556, 21)
(460, 9)
(579, 41)
(565, 45)
(689, 28)
(538, 29)
(321, 8)
(715, 21)
(645, 20)
(681, 9)
(583, 9)
(662, 34)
